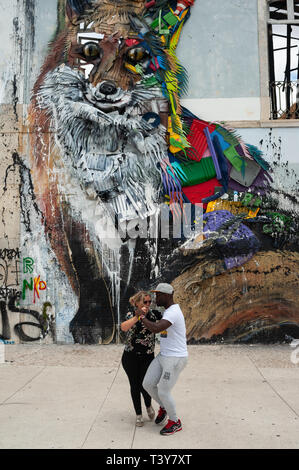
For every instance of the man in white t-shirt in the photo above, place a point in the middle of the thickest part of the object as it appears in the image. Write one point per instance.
(164, 370)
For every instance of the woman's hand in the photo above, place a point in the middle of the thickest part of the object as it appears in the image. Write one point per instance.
(142, 311)
(137, 313)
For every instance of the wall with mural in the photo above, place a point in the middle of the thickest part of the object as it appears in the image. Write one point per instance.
(110, 185)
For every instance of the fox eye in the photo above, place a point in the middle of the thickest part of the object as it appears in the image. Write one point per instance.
(91, 50)
(136, 54)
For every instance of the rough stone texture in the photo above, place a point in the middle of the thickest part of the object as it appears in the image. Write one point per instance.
(11, 118)
(9, 175)
(261, 293)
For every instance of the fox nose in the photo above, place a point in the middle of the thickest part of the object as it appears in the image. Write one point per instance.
(108, 88)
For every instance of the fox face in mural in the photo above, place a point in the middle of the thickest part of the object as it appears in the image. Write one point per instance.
(100, 115)
(111, 142)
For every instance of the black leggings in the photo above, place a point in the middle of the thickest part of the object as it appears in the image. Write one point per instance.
(135, 366)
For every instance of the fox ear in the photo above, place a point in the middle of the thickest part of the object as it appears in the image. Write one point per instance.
(76, 7)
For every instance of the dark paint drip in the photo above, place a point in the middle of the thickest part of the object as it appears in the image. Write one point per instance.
(29, 43)
(18, 165)
(30, 17)
(284, 228)
(19, 53)
(15, 97)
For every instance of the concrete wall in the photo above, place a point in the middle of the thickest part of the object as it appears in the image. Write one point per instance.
(28, 26)
(220, 46)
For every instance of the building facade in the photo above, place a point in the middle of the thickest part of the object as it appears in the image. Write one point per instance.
(61, 279)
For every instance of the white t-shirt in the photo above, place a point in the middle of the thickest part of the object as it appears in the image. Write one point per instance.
(173, 340)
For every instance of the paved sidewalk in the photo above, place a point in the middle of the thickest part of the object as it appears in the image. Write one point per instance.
(77, 397)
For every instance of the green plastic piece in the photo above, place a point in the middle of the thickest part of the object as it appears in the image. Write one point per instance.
(139, 69)
(229, 136)
(257, 202)
(235, 159)
(192, 172)
(149, 82)
(155, 23)
(251, 200)
(247, 199)
(170, 18)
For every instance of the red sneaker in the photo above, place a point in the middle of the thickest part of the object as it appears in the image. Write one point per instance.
(161, 415)
(171, 427)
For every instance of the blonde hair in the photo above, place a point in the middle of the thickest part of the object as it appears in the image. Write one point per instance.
(138, 297)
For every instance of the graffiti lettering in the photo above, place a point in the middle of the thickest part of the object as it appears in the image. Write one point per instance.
(10, 254)
(26, 285)
(9, 273)
(10, 295)
(35, 284)
(38, 285)
(44, 321)
(7, 292)
(27, 265)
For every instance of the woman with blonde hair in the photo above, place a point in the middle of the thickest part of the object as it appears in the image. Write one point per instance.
(139, 351)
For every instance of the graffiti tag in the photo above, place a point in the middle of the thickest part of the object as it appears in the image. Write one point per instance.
(35, 284)
(44, 322)
(10, 296)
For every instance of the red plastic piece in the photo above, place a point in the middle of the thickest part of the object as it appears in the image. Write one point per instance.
(155, 66)
(132, 42)
(182, 4)
(150, 4)
(198, 139)
(197, 192)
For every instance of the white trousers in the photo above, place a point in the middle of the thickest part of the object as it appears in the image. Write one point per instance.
(160, 378)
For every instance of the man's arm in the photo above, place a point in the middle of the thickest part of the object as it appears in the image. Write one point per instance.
(156, 327)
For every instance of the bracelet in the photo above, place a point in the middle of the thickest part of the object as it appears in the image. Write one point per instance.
(140, 316)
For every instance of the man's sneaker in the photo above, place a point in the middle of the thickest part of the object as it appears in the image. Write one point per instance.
(171, 427)
(161, 415)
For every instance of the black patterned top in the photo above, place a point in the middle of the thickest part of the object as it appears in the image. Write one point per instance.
(139, 339)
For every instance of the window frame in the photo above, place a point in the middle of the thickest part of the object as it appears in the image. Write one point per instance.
(290, 13)
(290, 20)
(263, 19)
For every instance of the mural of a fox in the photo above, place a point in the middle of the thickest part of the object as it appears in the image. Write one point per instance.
(110, 133)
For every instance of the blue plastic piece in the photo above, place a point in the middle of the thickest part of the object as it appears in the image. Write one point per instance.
(212, 150)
